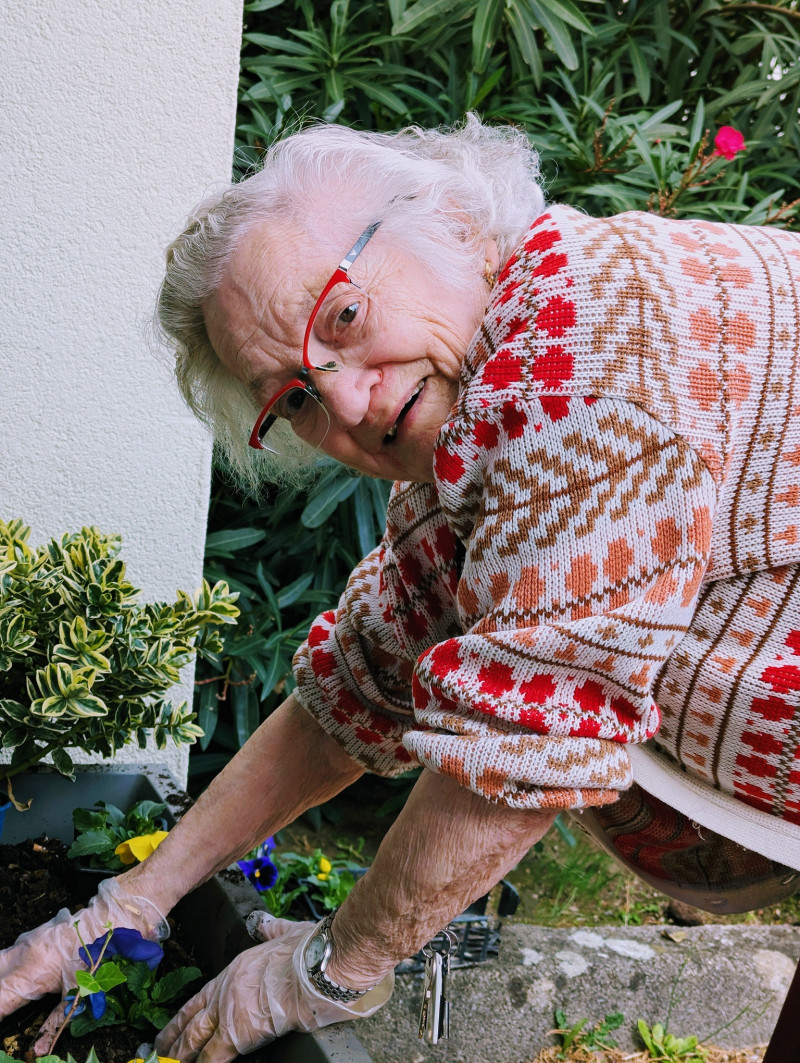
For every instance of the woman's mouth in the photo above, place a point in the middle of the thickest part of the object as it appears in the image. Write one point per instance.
(391, 435)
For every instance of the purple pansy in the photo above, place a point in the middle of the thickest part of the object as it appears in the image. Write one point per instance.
(260, 870)
(124, 942)
(129, 944)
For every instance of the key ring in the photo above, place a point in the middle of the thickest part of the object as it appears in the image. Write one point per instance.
(448, 942)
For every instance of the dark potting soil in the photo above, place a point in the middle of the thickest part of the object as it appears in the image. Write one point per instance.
(36, 880)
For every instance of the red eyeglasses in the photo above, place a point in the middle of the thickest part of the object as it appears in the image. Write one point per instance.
(346, 325)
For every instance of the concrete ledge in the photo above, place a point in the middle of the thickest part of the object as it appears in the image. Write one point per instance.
(726, 983)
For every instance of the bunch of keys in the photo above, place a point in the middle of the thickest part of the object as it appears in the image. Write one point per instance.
(434, 1018)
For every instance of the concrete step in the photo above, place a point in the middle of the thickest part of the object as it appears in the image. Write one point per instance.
(723, 983)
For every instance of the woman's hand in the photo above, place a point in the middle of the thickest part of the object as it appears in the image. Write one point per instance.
(45, 960)
(263, 994)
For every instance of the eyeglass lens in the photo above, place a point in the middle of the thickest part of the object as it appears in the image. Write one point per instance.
(344, 328)
(303, 409)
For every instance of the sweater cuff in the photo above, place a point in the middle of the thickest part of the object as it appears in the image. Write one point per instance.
(528, 771)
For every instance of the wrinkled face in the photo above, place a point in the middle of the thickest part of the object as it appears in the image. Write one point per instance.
(384, 412)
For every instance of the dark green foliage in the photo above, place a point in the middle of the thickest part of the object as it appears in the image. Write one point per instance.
(135, 996)
(622, 100)
(288, 557)
(589, 81)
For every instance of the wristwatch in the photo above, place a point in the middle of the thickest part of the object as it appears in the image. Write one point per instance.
(316, 956)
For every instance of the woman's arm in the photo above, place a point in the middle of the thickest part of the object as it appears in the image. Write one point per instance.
(288, 765)
(448, 847)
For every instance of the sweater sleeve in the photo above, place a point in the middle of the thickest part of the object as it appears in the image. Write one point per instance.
(587, 524)
(354, 672)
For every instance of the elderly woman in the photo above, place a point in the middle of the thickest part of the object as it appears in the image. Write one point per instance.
(589, 574)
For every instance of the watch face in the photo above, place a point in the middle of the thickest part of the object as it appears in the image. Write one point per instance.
(315, 951)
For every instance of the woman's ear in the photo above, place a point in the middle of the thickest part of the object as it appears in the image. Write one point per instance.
(491, 255)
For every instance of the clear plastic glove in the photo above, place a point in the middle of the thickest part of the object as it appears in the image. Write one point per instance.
(262, 994)
(44, 960)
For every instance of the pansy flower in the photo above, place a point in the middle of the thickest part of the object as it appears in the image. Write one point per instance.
(141, 847)
(97, 1005)
(124, 942)
(259, 869)
(325, 868)
(129, 944)
(161, 1059)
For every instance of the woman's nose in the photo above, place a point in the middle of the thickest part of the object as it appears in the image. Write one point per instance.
(346, 394)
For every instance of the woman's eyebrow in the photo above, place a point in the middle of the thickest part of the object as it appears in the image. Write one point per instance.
(257, 383)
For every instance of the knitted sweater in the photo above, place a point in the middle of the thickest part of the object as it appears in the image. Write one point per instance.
(625, 444)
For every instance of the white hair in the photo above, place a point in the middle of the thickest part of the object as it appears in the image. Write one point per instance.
(439, 194)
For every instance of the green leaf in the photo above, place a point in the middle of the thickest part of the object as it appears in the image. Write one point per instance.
(93, 842)
(87, 818)
(87, 983)
(156, 1016)
(660, 116)
(485, 26)
(557, 32)
(519, 20)
(280, 45)
(254, 6)
(332, 490)
(420, 13)
(641, 69)
(208, 711)
(569, 13)
(245, 711)
(698, 125)
(170, 986)
(62, 762)
(644, 1033)
(13, 710)
(115, 816)
(233, 539)
(289, 595)
(140, 978)
(14, 737)
(108, 975)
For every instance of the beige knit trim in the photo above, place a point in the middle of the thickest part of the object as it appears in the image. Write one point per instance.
(765, 834)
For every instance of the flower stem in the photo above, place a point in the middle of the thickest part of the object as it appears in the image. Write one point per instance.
(92, 968)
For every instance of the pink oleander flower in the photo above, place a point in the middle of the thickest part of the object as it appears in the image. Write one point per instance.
(729, 142)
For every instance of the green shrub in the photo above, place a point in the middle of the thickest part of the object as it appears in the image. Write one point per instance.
(82, 663)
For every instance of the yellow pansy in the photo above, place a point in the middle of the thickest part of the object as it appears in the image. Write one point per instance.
(161, 1059)
(325, 867)
(140, 848)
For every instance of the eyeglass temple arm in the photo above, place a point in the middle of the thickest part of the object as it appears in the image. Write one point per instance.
(358, 247)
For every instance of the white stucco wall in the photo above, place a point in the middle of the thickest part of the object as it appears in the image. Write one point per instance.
(117, 118)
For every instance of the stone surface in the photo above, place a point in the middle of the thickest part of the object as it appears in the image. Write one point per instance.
(724, 983)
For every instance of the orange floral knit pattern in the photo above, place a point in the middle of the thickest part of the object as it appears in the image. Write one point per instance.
(613, 535)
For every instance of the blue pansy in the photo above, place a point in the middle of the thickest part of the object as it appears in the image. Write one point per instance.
(129, 944)
(260, 870)
(97, 1005)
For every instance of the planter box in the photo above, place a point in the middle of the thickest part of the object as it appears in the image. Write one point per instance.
(215, 910)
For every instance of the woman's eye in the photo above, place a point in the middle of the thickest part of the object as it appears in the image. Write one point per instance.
(348, 315)
(292, 403)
